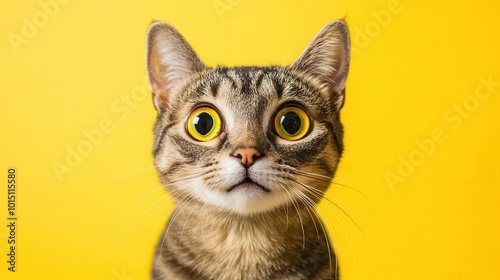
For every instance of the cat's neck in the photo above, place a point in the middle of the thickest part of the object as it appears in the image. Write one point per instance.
(292, 223)
(203, 236)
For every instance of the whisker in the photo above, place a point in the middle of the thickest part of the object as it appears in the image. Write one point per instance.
(328, 179)
(177, 210)
(137, 204)
(363, 228)
(204, 210)
(298, 213)
(164, 197)
(129, 174)
(161, 206)
(185, 223)
(306, 203)
(330, 229)
(137, 221)
(321, 195)
(318, 177)
(168, 203)
(192, 176)
(318, 195)
(312, 205)
(158, 228)
(187, 178)
(287, 217)
(288, 53)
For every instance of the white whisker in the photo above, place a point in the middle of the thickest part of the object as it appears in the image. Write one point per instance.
(187, 178)
(185, 222)
(158, 228)
(137, 221)
(312, 205)
(285, 187)
(318, 195)
(177, 210)
(205, 211)
(137, 204)
(307, 203)
(327, 179)
(161, 206)
(129, 174)
(288, 53)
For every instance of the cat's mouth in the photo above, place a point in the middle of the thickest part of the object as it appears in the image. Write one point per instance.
(248, 184)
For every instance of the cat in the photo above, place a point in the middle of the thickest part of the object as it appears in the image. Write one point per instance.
(246, 153)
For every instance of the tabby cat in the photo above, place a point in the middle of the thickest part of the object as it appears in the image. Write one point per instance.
(246, 153)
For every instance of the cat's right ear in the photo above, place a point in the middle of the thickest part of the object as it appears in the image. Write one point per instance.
(170, 60)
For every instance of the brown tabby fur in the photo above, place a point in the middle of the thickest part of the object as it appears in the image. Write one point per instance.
(218, 234)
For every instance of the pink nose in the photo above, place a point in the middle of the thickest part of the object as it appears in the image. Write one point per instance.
(247, 155)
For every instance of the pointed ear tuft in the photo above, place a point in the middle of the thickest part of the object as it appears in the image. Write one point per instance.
(326, 59)
(170, 59)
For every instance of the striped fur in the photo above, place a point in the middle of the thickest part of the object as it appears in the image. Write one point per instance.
(248, 234)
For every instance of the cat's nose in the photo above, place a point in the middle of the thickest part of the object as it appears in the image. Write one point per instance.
(247, 155)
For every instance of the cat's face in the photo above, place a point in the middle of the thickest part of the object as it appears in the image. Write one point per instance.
(247, 139)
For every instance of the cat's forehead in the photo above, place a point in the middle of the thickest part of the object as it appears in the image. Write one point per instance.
(244, 83)
(250, 86)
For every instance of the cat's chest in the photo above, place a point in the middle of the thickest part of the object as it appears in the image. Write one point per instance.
(211, 246)
(247, 255)
(247, 251)
(248, 245)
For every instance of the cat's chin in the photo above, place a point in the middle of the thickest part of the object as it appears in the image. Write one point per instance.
(248, 186)
(246, 198)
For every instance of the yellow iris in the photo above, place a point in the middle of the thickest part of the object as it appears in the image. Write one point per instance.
(291, 123)
(204, 124)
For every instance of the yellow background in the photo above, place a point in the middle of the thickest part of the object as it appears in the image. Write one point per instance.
(80, 68)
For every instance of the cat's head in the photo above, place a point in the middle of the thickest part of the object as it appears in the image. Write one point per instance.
(247, 139)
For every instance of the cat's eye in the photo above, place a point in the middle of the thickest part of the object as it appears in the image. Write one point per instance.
(204, 124)
(291, 123)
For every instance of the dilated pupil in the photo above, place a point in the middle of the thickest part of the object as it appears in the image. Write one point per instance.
(203, 123)
(291, 123)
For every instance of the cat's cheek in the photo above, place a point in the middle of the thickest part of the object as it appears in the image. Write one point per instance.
(161, 162)
(199, 190)
(231, 173)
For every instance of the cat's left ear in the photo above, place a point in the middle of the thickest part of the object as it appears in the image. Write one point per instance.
(170, 60)
(326, 60)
